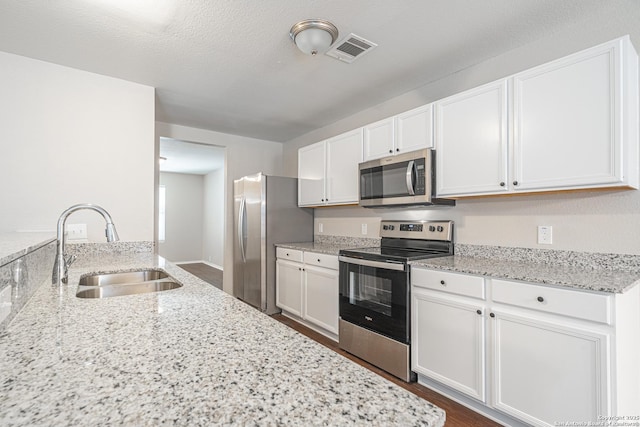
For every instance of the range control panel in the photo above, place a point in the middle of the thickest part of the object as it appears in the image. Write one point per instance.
(428, 230)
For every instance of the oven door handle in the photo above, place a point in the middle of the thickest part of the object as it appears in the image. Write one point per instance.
(376, 264)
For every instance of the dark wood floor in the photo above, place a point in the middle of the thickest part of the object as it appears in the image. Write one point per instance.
(205, 272)
(457, 415)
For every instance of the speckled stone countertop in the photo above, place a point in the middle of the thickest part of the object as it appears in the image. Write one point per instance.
(331, 245)
(190, 356)
(603, 280)
(15, 245)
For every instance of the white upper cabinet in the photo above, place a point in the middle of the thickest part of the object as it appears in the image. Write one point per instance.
(311, 174)
(414, 129)
(344, 152)
(568, 124)
(409, 131)
(379, 139)
(471, 138)
(570, 121)
(328, 170)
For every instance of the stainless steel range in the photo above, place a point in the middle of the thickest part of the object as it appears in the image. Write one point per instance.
(374, 292)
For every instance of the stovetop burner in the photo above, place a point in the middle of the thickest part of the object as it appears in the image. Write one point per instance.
(404, 241)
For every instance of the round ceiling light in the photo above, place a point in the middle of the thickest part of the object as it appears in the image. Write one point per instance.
(313, 36)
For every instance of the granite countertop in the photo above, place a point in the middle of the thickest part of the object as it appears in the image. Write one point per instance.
(322, 248)
(189, 356)
(15, 245)
(601, 280)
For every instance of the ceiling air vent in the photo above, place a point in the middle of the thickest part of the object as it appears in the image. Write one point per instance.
(350, 48)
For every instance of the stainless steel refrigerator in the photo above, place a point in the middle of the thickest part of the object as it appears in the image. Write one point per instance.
(266, 212)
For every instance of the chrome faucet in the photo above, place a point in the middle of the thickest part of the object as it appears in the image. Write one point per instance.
(62, 263)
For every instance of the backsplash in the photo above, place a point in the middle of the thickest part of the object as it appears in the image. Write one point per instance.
(587, 260)
(21, 277)
(80, 249)
(346, 241)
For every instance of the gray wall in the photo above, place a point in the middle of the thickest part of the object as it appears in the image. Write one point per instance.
(68, 137)
(213, 221)
(184, 217)
(244, 156)
(603, 221)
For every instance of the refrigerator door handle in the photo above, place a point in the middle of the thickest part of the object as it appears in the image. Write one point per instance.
(241, 224)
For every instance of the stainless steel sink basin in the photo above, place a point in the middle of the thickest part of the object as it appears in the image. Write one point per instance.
(128, 283)
(122, 278)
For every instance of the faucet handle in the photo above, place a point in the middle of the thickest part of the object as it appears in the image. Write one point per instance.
(69, 260)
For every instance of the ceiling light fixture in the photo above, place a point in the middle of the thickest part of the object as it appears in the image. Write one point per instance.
(313, 36)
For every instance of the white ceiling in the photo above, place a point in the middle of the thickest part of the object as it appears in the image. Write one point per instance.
(230, 66)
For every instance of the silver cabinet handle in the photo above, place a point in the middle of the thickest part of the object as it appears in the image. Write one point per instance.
(241, 217)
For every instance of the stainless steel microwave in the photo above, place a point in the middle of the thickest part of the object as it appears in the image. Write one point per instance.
(401, 180)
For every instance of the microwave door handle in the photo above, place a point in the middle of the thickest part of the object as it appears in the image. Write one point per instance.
(409, 178)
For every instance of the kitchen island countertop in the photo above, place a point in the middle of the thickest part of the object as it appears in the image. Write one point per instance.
(189, 356)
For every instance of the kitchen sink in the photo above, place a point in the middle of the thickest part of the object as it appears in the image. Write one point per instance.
(122, 278)
(107, 285)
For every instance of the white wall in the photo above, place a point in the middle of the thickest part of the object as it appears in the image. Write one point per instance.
(213, 221)
(604, 221)
(184, 217)
(68, 137)
(244, 156)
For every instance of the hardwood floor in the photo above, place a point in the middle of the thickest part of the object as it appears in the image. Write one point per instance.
(205, 272)
(457, 415)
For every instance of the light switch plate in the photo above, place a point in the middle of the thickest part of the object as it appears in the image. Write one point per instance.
(76, 231)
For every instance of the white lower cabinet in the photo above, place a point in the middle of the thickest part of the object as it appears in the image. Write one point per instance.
(289, 276)
(321, 297)
(526, 352)
(307, 291)
(448, 342)
(548, 372)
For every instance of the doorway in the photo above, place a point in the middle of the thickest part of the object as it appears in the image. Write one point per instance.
(191, 206)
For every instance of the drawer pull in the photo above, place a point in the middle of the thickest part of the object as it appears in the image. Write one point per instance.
(492, 314)
(318, 259)
(540, 299)
(479, 311)
(442, 283)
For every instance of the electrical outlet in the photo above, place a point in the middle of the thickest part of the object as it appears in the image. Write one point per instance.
(363, 228)
(545, 234)
(76, 231)
(320, 227)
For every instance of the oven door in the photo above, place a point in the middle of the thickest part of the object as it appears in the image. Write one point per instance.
(375, 296)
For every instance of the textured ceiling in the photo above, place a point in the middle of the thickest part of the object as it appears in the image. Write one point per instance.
(229, 65)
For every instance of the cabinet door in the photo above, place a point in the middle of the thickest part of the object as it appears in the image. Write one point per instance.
(448, 342)
(311, 173)
(344, 152)
(414, 129)
(545, 373)
(289, 276)
(379, 139)
(471, 137)
(321, 297)
(567, 122)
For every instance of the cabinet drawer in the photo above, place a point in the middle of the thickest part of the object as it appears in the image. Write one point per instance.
(454, 283)
(321, 260)
(290, 254)
(565, 302)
